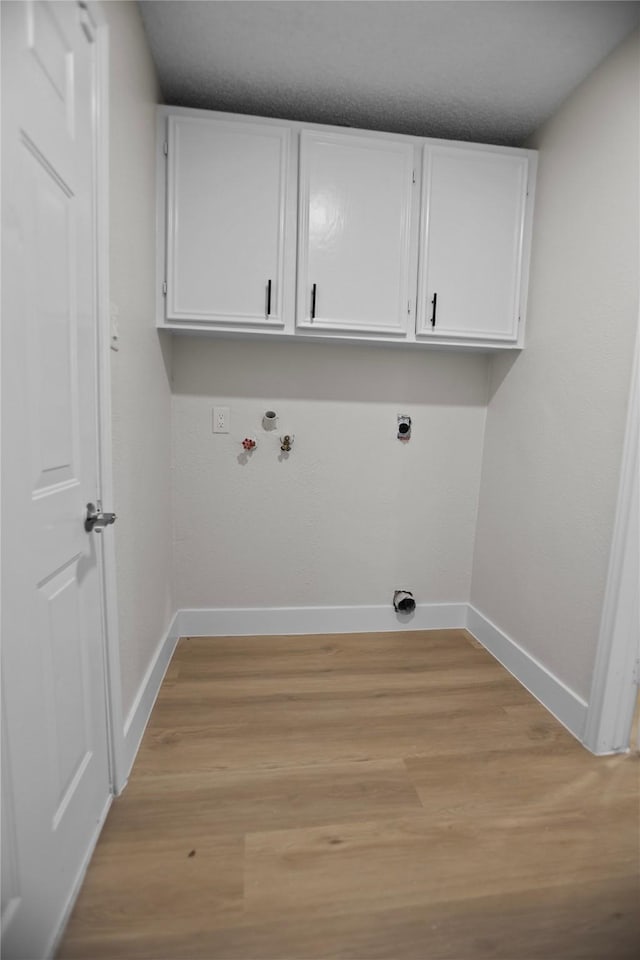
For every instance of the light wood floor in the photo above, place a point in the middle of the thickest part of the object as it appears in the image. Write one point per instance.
(392, 796)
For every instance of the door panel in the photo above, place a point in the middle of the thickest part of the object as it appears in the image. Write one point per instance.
(47, 77)
(57, 783)
(53, 374)
(355, 222)
(471, 243)
(50, 48)
(64, 667)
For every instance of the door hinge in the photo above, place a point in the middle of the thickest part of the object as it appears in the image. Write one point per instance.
(164, 288)
(409, 306)
(165, 148)
(413, 176)
(636, 672)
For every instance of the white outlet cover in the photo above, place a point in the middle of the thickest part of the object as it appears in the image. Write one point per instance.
(220, 422)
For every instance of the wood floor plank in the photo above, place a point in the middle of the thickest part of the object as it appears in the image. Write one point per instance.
(458, 678)
(535, 781)
(165, 886)
(330, 715)
(241, 801)
(372, 796)
(208, 747)
(589, 921)
(366, 653)
(380, 864)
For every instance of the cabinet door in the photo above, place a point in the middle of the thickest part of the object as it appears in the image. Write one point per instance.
(354, 233)
(471, 235)
(226, 199)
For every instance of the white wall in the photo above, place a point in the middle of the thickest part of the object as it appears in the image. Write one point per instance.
(140, 370)
(556, 415)
(352, 513)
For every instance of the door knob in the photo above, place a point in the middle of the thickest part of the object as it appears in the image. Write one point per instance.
(96, 519)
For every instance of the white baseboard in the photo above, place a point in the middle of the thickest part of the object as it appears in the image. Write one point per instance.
(565, 705)
(138, 717)
(287, 621)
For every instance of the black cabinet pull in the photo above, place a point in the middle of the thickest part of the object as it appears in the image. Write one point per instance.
(313, 302)
(269, 298)
(433, 315)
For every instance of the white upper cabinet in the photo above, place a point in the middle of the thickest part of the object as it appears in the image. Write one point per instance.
(389, 248)
(354, 233)
(472, 233)
(226, 219)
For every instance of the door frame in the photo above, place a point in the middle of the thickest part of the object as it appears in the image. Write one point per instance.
(107, 552)
(616, 674)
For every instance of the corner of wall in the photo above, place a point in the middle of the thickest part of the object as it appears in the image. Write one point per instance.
(555, 423)
(141, 367)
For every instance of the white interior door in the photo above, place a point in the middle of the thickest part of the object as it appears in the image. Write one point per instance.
(55, 784)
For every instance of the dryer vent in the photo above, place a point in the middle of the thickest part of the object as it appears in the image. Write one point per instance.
(403, 601)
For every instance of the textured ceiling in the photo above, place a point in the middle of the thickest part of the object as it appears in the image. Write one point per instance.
(461, 69)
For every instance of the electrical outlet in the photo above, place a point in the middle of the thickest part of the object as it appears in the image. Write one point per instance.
(221, 419)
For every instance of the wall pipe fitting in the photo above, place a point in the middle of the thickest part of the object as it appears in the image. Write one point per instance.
(269, 420)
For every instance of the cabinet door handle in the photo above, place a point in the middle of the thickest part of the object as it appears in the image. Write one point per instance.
(269, 298)
(313, 302)
(433, 314)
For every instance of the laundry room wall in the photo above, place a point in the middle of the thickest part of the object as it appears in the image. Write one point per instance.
(141, 388)
(557, 412)
(351, 513)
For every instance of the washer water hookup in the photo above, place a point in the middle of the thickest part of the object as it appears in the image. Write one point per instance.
(269, 420)
(404, 427)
